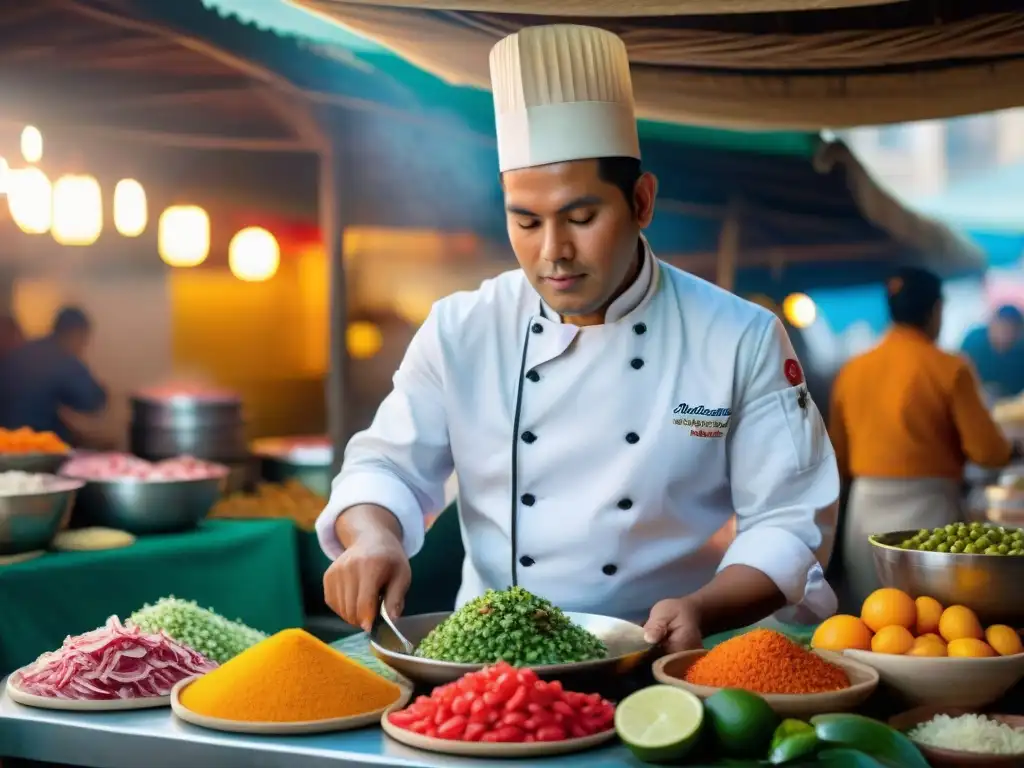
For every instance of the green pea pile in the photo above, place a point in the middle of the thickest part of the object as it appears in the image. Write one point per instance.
(514, 626)
(968, 539)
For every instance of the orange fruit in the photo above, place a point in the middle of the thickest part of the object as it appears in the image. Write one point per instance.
(970, 647)
(928, 645)
(959, 622)
(929, 611)
(892, 639)
(840, 632)
(1004, 640)
(889, 607)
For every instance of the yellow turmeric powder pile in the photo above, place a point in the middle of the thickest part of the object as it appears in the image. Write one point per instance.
(289, 677)
(764, 661)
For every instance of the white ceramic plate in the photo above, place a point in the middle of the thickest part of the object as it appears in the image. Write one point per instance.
(481, 749)
(75, 705)
(284, 729)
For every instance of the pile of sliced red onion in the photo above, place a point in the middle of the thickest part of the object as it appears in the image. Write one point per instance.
(110, 663)
(124, 466)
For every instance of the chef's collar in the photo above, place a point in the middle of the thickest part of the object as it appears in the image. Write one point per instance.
(630, 299)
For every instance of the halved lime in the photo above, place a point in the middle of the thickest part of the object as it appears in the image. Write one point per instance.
(659, 724)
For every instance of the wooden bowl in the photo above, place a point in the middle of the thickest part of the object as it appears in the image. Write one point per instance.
(671, 670)
(945, 681)
(949, 758)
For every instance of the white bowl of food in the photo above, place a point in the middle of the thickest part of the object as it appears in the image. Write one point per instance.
(945, 680)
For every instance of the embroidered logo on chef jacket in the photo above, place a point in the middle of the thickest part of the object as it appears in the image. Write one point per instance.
(794, 373)
(702, 421)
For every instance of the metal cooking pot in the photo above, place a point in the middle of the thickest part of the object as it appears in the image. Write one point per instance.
(210, 427)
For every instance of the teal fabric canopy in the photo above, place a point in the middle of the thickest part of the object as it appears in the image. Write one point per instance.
(990, 202)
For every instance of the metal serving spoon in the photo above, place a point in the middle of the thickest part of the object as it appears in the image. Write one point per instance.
(407, 648)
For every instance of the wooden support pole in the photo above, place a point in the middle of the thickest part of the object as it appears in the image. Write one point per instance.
(729, 247)
(332, 226)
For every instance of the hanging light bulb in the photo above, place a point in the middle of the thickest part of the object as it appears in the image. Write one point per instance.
(183, 236)
(30, 200)
(254, 255)
(131, 214)
(31, 144)
(800, 310)
(77, 210)
(363, 339)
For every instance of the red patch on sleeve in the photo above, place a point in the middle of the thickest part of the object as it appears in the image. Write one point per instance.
(794, 373)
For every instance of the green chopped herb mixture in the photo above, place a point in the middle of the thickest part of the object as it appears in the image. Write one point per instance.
(513, 626)
(217, 638)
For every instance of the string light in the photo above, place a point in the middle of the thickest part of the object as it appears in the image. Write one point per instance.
(30, 200)
(183, 236)
(31, 144)
(77, 210)
(800, 310)
(254, 255)
(363, 339)
(131, 214)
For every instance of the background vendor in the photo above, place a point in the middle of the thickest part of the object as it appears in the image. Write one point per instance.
(43, 376)
(997, 352)
(905, 418)
(609, 415)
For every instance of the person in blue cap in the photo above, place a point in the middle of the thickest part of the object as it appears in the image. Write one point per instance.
(997, 351)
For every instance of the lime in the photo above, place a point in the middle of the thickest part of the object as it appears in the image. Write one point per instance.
(742, 722)
(793, 739)
(789, 727)
(870, 736)
(660, 723)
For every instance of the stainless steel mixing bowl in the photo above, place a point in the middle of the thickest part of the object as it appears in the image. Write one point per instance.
(987, 584)
(626, 650)
(29, 522)
(45, 463)
(142, 507)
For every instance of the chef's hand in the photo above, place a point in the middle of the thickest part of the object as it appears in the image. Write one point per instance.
(374, 564)
(675, 625)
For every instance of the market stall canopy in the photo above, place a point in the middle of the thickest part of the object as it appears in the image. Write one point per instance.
(783, 64)
(98, 68)
(992, 201)
(990, 208)
(802, 215)
(146, 89)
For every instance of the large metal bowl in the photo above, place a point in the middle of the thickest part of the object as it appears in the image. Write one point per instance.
(144, 507)
(44, 463)
(627, 649)
(987, 584)
(29, 522)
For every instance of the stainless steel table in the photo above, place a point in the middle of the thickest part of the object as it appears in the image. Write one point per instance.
(154, 738)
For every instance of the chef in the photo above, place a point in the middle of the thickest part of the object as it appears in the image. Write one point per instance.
(610, 417)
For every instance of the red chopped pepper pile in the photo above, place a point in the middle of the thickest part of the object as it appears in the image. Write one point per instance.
(502, 704)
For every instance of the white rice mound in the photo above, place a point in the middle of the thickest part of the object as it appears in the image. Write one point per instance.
(970, 733)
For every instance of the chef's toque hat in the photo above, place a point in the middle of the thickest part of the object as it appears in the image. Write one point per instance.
(562, 92)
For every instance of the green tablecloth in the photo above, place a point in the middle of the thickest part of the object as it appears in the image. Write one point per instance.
(242, 569)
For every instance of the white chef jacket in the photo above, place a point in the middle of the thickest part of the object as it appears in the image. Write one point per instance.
(639, 442)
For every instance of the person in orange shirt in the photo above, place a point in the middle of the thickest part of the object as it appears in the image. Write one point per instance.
(904, 420)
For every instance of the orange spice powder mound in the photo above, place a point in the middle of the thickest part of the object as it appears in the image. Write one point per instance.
(764, 661)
